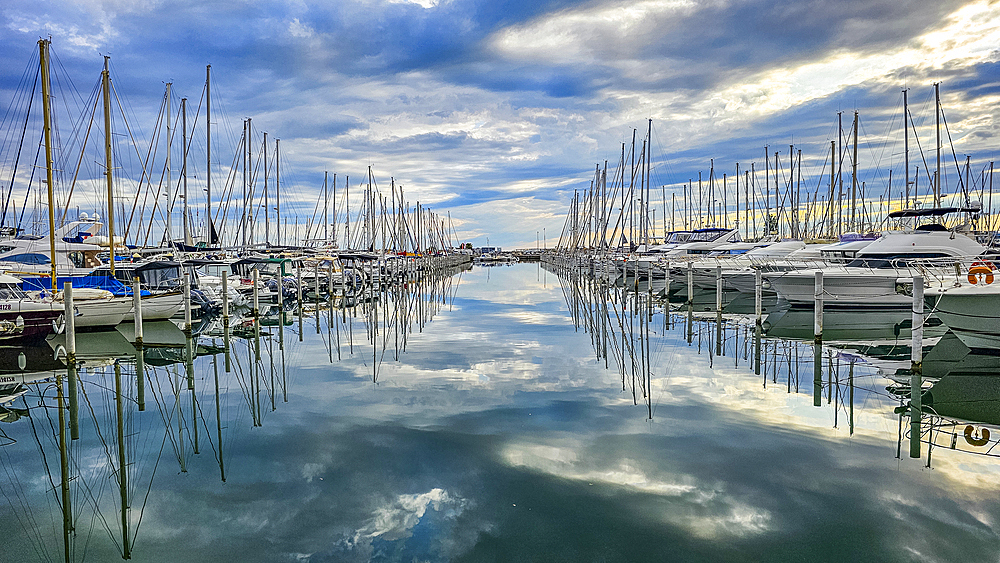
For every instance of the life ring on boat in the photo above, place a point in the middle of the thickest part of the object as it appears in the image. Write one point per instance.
(970, 433)
(981, 270)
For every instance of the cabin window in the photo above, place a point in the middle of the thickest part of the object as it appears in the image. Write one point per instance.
(28, 258)
(77, 258)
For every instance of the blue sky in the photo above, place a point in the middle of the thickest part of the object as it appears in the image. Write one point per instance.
(497, 111)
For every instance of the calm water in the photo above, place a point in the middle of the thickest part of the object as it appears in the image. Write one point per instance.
(498, 435)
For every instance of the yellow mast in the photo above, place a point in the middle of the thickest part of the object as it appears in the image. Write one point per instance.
(43, 59)
(106, 83)
(43, 56)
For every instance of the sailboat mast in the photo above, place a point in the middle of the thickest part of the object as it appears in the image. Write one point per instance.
(106, 84)
(170, 184)
(334, 242)
(649, 155)
(267, 210)
(208, 153)
(906, 151)
(184, 169)
(277, 190)
(737, 206)
(43, 59)
(326, 206)
(937, 117)
(43, 55)
(840, 173)
(247, 185)
(854, 174)
(833, 181)
(777, 198)
(767, 191)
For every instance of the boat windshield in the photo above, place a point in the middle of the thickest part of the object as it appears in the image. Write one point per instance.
(877, 263)
(706, 236)
(11, 293)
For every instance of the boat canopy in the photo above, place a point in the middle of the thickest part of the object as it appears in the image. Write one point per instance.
(106, 283)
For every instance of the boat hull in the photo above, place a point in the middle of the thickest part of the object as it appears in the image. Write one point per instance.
(26, 321)
(972, 313)
(842, 288)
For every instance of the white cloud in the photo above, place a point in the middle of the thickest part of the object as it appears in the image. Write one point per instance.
(705, 510)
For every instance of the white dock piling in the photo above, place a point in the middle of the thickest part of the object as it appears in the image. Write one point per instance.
(69, 327)
(256, 293)
(916, 365)
(187, 304)
(137, 310)
(818, 339)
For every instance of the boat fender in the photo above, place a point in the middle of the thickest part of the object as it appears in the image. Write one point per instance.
(981, 271)
(59, 324)
(970, 436)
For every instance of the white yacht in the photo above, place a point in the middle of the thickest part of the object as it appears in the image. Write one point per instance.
(76, 251)
(878, 277)
(971, 311)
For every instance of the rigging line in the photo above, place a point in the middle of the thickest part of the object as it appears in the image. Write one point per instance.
(97, 427)
(135, 144)
(958, 168)
(17, 158)
(227, 190)
(145, 499)
(32, 528)
(41, 450)
(95, 499)
(153, 145)
(83, 149)
(923, 157)
(96, 503)
(77, 127)
(20, 92)
(255, 209)
(161, 407)
(31, 179)
(156, 197)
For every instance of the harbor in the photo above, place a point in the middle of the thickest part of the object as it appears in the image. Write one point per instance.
(443, 281)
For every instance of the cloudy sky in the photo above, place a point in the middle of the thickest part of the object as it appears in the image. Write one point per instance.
(498, 110)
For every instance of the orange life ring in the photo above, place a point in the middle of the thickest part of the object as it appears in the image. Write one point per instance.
(969, 436)
(981, 268)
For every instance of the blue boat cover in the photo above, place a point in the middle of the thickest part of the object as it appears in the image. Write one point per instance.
(106, 283)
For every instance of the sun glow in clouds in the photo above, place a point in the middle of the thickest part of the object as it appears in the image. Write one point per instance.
(970, 37)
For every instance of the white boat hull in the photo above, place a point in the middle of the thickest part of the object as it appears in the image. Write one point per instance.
(972, 313)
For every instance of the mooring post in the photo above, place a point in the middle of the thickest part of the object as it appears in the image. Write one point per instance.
(140, 359)
(758, 298)
(69, 326)
(690, 302)
(256, 294)
(316, 285)
(916, 365)
(137, 310)
(187, 304)
(225, 298)
(690, 282)
(666, 295)
(818, 339)
(718, 310)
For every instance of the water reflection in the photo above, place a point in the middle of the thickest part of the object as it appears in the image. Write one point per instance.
(505, 413)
